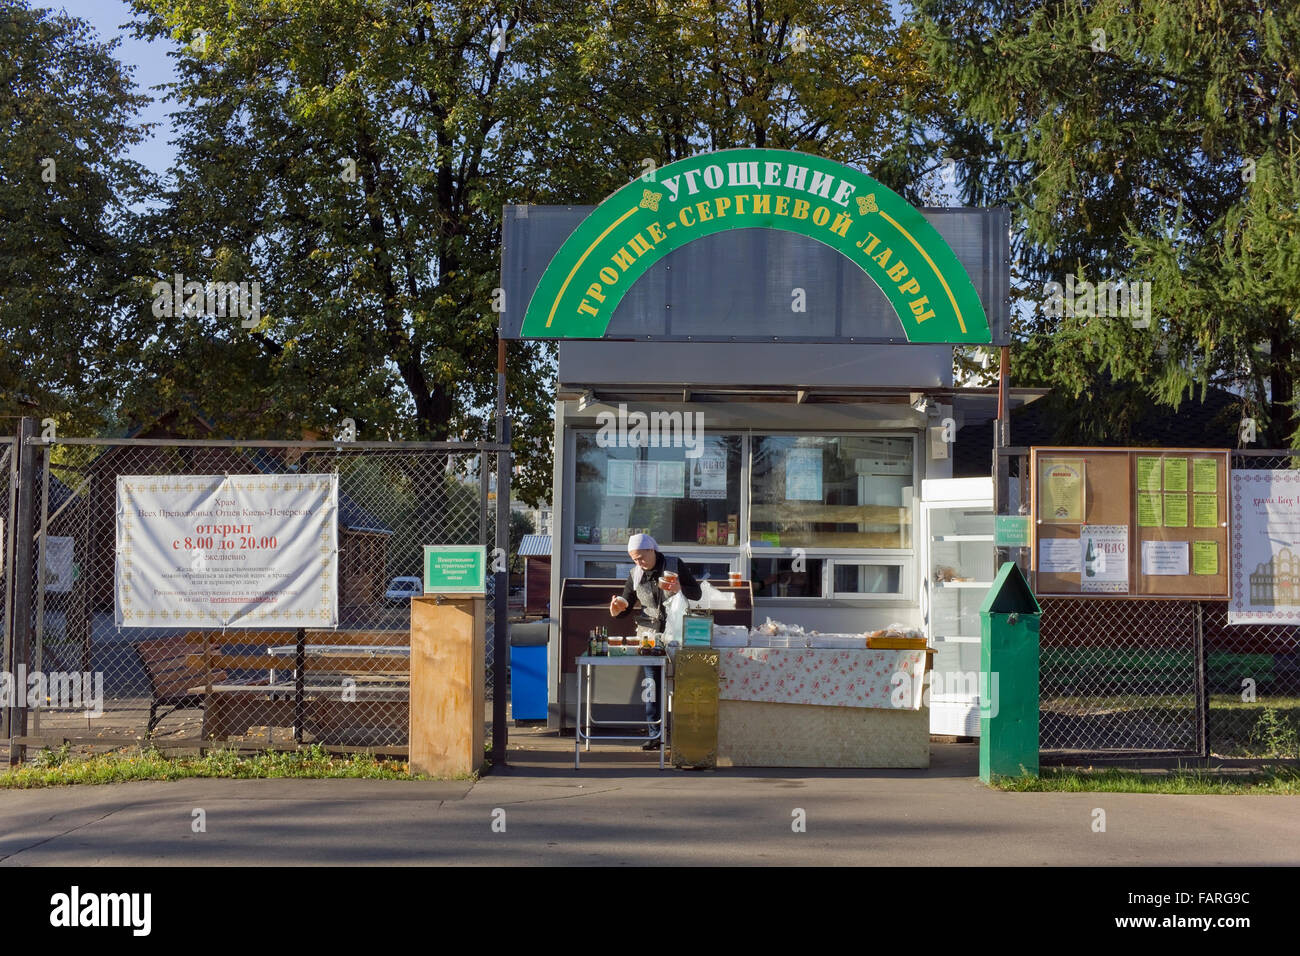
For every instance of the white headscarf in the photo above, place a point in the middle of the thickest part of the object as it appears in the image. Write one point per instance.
(641, 542)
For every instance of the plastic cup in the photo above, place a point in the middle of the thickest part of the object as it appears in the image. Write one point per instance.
(668, 577)
(734, 577)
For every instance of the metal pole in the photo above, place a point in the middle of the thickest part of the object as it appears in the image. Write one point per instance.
(501, 597)
(501, 611)
(300, 665)
(1001, 434)
(23, 532)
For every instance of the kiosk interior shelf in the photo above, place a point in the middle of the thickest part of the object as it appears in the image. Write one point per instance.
(584, 605)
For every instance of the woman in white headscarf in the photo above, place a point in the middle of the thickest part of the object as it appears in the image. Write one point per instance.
(646, 585)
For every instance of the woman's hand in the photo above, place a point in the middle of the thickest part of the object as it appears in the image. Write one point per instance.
(617, 605)
(669, 585)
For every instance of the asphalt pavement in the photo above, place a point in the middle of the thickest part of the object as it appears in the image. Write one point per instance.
(621, 810)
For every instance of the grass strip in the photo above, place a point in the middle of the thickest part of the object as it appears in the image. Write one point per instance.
(1268, 779)
(52, 768)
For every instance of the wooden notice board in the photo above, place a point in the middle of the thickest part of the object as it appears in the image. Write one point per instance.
(1130, 522)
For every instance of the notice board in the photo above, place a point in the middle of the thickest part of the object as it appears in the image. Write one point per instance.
(1130, 522)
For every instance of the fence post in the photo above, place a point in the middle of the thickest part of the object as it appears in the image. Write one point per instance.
(6, 566)
(21, 628)
(500, 608)
(1202, 682)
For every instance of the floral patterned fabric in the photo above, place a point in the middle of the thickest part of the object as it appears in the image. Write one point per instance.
(830, 678)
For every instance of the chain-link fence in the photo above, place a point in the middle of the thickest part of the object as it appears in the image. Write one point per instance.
(181, 682)
(1118, 677)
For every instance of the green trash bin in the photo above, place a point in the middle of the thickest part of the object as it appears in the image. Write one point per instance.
(1009, 620)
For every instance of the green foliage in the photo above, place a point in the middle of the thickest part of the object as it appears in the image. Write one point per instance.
(352, 157)
(1274, 736)
(1150, 141)
(521, 524)
(67, 121)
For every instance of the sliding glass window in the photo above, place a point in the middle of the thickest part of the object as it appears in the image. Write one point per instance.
(817, 491)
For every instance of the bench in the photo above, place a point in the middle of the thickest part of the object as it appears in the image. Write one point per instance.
(315, 696)
(172, 676)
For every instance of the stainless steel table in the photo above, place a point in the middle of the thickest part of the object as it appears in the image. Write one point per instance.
(654, 728)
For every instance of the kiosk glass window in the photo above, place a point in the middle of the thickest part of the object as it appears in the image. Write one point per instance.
(620, 490)
(816, 491)
(787, 577)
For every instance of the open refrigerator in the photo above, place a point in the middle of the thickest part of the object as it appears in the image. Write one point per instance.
(957, 570)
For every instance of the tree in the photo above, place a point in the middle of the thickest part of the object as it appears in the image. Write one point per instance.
(1150, 142)
(521, 523)
(628, 86)
(67, 122)
(348, 157)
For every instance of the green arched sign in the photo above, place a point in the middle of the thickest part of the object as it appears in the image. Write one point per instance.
(766, 189)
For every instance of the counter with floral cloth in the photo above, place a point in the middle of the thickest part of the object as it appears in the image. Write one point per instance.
(822, 707)
(848, 677)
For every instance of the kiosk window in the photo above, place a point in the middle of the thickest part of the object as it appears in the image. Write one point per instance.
(776, 578)
(832, 491)
(853, 579)
(676, 498)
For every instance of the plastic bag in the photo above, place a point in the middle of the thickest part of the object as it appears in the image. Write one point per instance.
(674, 611)
(711, 599)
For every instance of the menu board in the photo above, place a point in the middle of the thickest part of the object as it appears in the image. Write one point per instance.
(1130, 522)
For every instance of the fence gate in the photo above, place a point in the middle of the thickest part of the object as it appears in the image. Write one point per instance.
(187, 685)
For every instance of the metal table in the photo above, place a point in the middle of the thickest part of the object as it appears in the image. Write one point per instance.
(655, 728)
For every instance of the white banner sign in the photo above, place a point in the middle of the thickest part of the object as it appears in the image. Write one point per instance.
(60, 571)
(1265, 547)
(227, 551)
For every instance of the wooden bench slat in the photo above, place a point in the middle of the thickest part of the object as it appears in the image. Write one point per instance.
(354, 638)
(218, 638)
(377, 664)
(272, 638)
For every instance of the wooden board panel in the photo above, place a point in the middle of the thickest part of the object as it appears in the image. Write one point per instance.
(447, 678)
(1190, 585)
(1106, 498)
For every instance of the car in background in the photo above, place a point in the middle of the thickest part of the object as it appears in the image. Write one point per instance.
(402, 589)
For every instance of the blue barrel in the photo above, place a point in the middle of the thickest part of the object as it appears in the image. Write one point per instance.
(528, 670)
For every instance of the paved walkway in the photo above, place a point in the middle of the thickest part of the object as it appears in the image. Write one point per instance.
(620, 809)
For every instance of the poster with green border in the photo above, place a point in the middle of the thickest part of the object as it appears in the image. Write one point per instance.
(1149, 509)
(1148, 474)
(1205, 557)
(1205, 511)
(1176, 510)
(1205, 476)
(1175, 474)
(455, 569)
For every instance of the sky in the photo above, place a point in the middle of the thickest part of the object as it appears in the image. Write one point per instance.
(150, 64)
